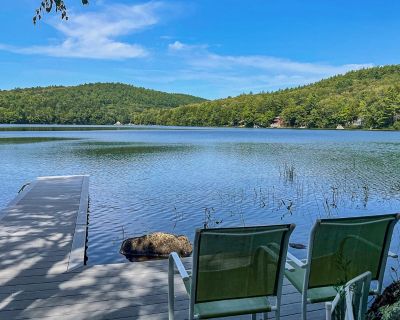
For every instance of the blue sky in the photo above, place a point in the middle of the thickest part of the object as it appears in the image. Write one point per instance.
(207, 48)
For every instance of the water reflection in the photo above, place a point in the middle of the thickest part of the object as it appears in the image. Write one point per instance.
(17, 140)
(178, 180)
(123, 149)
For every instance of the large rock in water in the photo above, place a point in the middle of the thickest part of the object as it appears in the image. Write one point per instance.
(157, 244)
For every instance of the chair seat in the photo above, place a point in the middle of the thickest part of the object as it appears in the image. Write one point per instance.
(226, 308)
(315, 295)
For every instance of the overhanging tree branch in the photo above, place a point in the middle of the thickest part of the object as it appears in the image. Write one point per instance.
(47, 6)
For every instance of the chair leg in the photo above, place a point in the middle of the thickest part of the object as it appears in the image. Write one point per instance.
(328, 310)
(191, 312)
(303, 307)
(171, 293)
(278, 313)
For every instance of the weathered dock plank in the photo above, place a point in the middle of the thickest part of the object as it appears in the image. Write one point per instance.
(42, 274)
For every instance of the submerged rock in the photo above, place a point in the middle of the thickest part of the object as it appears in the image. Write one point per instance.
(157, 244)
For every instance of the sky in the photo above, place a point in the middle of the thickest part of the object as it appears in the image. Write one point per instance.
(207, 48)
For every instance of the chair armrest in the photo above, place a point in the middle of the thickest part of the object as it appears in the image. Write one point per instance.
(295, 260)
(179, 265)
(393, 255)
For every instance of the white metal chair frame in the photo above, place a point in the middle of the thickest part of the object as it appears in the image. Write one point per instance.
(365, 280)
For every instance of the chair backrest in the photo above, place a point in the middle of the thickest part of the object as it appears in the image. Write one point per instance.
(341, 249)
(352, 302)
(234, 263)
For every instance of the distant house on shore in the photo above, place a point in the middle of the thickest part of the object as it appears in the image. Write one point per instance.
(118, 123)
(277, 123)
(357, 123)
(339, 127)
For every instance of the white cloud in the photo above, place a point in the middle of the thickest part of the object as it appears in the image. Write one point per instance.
(177, 45)
(94, 35)
(242, 73)
(204, 59)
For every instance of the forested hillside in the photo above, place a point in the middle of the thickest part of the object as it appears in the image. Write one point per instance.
(368, 98)
(99, 103)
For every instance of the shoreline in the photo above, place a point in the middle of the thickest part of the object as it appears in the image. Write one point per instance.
(5, 127)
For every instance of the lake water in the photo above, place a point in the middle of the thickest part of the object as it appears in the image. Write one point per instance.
(178, 179)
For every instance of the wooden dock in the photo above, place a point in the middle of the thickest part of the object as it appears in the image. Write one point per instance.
(43, 276)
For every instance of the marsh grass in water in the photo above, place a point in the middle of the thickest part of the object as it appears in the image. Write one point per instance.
(289, 197)
(288, 172)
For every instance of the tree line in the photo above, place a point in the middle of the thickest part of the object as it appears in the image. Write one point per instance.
(368, 98)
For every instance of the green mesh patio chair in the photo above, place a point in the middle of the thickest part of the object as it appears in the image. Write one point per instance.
(351, 301)
(339, 250)
(235, 271)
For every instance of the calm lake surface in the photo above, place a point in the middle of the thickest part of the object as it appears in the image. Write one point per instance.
(178, 179)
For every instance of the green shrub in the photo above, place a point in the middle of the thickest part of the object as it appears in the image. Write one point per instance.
(387, 305)
(390, 312)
